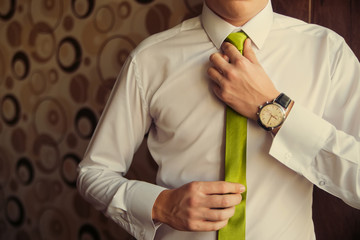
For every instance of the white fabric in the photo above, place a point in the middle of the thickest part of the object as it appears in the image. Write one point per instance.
(163, 89)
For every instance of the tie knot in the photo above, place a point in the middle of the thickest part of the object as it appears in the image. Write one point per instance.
(237, 39)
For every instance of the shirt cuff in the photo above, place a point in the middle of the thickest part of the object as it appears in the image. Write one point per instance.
(137, 211)
(300, 138)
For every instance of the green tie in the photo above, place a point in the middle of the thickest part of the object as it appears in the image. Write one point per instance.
(235, 157)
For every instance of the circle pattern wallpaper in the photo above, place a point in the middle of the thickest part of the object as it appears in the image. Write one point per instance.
(58, 63)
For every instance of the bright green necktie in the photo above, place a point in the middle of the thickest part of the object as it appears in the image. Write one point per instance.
(235, 158)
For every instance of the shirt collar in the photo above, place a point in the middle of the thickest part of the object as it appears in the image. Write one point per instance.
(257, 28)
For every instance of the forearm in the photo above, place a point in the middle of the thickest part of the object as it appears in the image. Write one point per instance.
(313, 147)
(127, 202)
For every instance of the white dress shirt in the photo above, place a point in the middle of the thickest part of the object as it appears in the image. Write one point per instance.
(163, 90)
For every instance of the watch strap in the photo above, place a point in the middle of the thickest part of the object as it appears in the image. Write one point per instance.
(283, 100)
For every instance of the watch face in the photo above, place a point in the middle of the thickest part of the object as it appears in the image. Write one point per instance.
(272, 115)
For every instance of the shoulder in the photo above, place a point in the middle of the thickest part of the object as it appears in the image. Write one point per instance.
(312, 31)
(158, 40)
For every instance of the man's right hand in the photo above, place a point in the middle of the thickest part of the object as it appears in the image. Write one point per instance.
(198, 206)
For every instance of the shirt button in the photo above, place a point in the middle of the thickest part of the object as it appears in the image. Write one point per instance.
(322, 183)
(288, 156)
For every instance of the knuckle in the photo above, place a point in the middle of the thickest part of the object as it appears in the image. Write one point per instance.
(225, 85)
(213, 74)
(218, 225)
(193, 186)
(220, 215)
(240, 61)
(223, 95)
(223, 187)
(190, 215)
(212, 56)
(231, 73)
(240, 198)
(231, 211)
(225, 201)
(216, 90)
(193, 202)
(223, 92)
(226, 47)
(210, 71)
(192, 225)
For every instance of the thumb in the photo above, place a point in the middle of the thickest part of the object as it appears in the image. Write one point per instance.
(248, 52)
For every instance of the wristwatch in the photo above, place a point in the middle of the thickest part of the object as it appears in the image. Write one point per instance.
(272, 114)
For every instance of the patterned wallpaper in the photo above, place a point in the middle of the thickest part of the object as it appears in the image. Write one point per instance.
(58, 62)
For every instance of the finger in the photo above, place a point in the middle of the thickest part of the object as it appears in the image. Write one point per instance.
(218, 225)
(223, 201)
(248, 52)
(216, 89)
(207, 226)
(232, 52)
(221, 187)
(215, 76)
(226, 58)
(219, 61)
(216, 215)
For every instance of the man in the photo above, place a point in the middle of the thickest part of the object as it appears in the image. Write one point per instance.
(169, 89)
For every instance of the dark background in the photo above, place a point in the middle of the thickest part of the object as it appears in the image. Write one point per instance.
(333, 219)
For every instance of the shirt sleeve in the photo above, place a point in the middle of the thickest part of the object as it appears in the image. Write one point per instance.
(325, 147)
(119, 133)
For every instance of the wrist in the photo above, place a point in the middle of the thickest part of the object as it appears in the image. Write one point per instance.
(157, 210)
(275, 130)
(272, 115)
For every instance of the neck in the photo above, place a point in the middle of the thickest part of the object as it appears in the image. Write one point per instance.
(236, 13)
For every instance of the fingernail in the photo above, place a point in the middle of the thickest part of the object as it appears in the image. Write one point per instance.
(242, 188)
